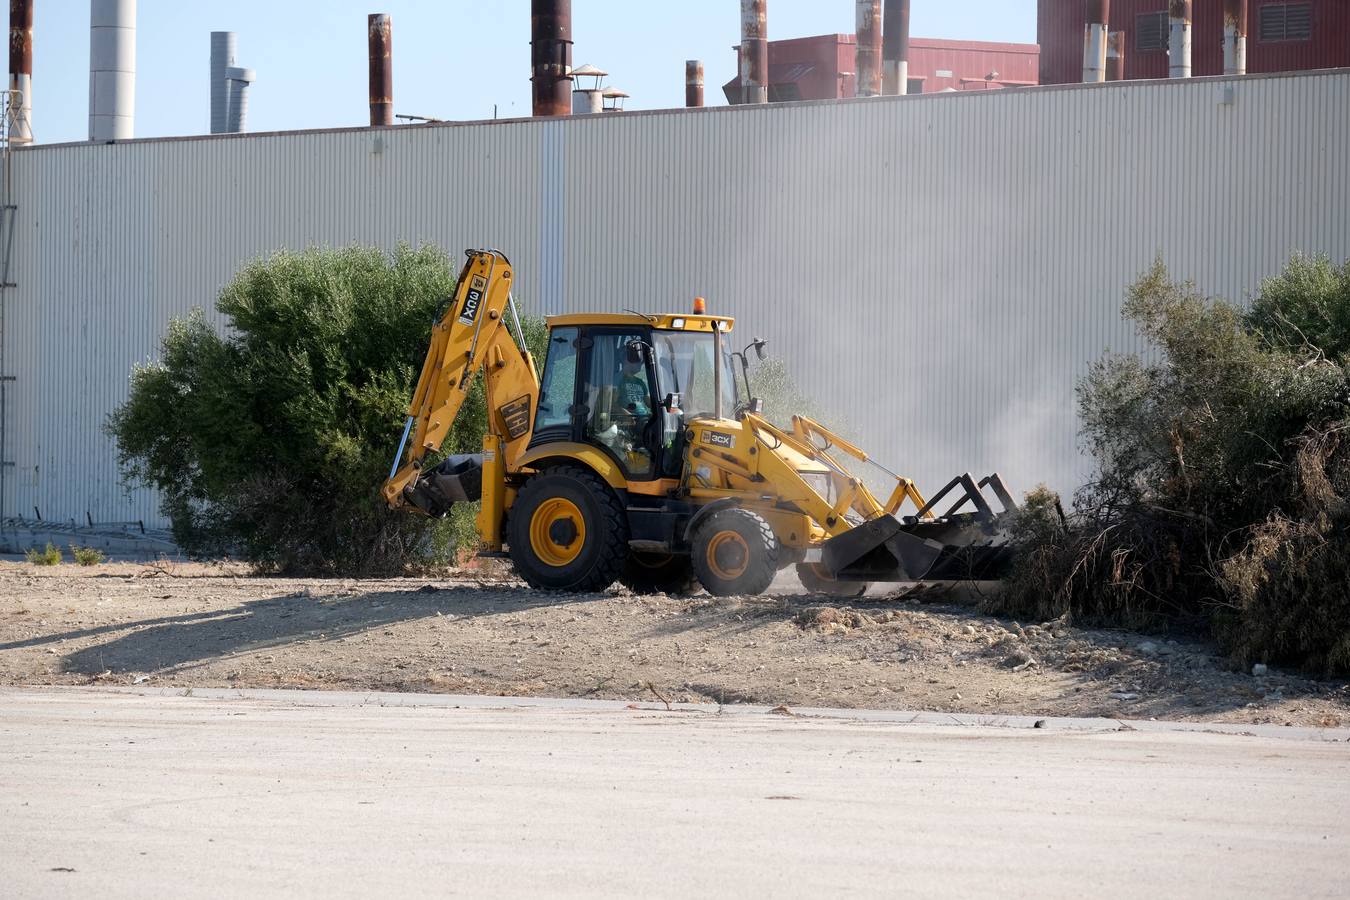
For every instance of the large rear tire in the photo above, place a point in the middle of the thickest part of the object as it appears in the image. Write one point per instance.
(817, 582)
(658, 573)
(735, 552)
(568, 531)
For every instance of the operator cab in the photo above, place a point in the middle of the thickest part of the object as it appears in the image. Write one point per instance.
(628, 384)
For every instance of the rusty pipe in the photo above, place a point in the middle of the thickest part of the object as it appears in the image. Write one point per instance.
(754, 51)
(693, 83)
(1094, 41)
(868, 59)
(1235, 37)
(1115, 56)
(1179, 39)
(551, 56)
(21, 71)
(381, 42)
(895, 49)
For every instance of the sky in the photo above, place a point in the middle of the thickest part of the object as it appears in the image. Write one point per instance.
(453, 59)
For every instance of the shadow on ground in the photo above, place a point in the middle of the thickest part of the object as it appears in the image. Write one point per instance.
(172, 642)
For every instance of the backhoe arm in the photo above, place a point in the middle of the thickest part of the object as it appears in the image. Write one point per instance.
(470, 336)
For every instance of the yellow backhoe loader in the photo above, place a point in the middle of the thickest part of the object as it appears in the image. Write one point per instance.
(637, 457)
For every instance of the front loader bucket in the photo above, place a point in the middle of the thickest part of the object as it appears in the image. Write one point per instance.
(955, 546)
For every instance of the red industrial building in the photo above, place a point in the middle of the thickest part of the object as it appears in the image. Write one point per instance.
(822, 67)
(1281, 36)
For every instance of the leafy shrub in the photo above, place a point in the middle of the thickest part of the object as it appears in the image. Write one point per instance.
(271, 440)
(51, 556)
(1222, 493)
(86, 556)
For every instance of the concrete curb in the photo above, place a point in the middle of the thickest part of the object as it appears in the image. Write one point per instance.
(350, 699)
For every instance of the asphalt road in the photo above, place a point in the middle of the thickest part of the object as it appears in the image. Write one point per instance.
(119, 794)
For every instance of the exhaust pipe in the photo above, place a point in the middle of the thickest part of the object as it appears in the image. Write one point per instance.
(895, 49)
(1235, 37)
(236, 96)
(112, 70)
(1094, 41)
(868, 57)
(693, 83)
(21, 71)
(1179, 40)
(551, 56)
(754, 51)
(222, 60)
(1115, 56)
(380, 40)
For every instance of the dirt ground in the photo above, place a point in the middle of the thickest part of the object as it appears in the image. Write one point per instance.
(213, 626)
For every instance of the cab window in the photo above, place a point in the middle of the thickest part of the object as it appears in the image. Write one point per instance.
(557, 389)
(619, 398)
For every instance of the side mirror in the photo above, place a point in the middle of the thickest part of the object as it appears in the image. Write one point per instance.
(756, 406)
(637, 352)
(759, 345)
(672, 404)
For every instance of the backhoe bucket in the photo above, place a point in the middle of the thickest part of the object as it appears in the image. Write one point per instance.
(457, 479)
(955, 546)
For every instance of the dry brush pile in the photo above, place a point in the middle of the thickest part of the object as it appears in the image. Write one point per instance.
(1221, 499)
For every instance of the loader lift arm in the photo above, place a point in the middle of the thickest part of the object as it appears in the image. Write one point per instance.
(470, 336)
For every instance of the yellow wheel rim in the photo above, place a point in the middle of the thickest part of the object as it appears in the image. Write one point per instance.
(728, 555)
(557, 532)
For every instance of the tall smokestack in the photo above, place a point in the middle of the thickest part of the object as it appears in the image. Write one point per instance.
(236, 97)
(222, 60)
(1094, 41)
(551, 56)
(754, 51)
(869, 48)
(1235, 37)
(1115, 56)
(381, 43)
(895, 49)
(21, 71)
(693, 83)
(112, 70)
(1179, 40)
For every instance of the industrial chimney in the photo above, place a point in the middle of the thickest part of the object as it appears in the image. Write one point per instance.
(1179, 40)
(236, 98)
(112, 70)
(693, 83)
(868, 58)
(222, 60)
(1235, 37)
(895, 49)
(1094, 41)
(754, 51)
(381, 48)
(551, 56)
(21, 71)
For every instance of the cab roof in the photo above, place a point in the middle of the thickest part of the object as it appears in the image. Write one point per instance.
(662, 321)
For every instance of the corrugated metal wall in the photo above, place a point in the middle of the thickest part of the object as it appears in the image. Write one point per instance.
(938, 269)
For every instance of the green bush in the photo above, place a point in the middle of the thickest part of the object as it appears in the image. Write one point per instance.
(271, 440)
(51, 556)
(86, 556)
(1222, 488)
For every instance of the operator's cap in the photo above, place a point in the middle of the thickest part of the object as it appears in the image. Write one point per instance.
(700, 306)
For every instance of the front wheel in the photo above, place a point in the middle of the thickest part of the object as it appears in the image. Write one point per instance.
(568, 531)
(735, 552)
